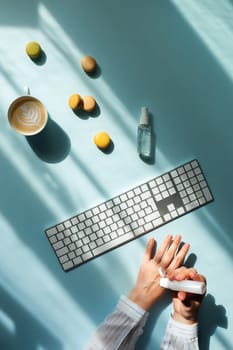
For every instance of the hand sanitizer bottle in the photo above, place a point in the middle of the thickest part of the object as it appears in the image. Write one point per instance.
(189, 286)
(144, 136)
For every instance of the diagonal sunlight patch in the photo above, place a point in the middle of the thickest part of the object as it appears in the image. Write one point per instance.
(7, 322)
(212, 20)
(31, 284)
(26, 170)
(103, 92)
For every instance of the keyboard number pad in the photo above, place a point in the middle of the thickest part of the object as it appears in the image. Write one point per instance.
(191, 185)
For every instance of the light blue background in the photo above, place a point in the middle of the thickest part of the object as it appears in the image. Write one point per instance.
(174, 57)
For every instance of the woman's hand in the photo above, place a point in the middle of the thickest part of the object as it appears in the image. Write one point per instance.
(147, 289)
(186, 305)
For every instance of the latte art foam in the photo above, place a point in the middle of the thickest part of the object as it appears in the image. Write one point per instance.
(27, 115)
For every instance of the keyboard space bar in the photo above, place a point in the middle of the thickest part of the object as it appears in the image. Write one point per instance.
(112, 244)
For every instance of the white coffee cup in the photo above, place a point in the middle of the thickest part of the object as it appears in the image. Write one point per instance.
(27, 115)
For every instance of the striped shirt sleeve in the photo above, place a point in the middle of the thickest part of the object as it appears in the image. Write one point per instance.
(180, 336)
(121, 329)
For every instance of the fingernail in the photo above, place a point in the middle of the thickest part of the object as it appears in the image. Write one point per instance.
(177, 237)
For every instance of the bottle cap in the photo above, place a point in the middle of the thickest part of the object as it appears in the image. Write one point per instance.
(164, 282)
(144, 118)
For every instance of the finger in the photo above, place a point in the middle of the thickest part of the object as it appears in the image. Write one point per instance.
(168, 256)
(195, 276)
(163, 248)
(149, 249)
(181, 295)
(179, 258)
(184, 273)
(173, 274)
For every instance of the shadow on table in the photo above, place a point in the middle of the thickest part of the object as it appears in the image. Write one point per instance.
(52, 144)
(20, 330)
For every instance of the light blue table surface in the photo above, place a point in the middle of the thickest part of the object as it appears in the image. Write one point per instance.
(175, 57)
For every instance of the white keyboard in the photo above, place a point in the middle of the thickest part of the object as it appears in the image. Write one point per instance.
(129, 215)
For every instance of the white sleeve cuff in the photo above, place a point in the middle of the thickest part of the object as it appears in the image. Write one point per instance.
(184, 330)
(133, 310)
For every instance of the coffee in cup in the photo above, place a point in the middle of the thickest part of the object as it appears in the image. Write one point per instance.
(27, 115)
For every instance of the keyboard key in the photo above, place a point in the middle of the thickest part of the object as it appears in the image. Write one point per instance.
(67, 224)
(63, 259)
(138, 231)
(151, 217)
(58, 245)
(53, 239)
(192, 205)
(207, 194)
(109, 245)
(52, 231)
(62, 251)
(87, 256)
(68, 265)
(77, 260)
(157, 222)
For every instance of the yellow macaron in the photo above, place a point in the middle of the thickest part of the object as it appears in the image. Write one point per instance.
(33, 49)
(75, 101)
(102, 140)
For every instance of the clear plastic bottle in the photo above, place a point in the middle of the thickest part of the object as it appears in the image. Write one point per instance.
(144, 137)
